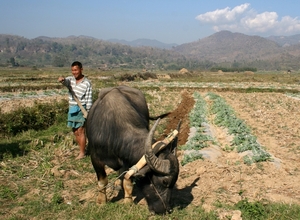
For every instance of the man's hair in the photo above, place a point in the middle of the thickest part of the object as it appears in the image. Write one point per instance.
(77, 63)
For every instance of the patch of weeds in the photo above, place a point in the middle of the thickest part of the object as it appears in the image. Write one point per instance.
(241, 192)
(228, 148)
(260, 166)
(57, 198)
(237, 163)
(59, 185)
(219, 204)
(85, 166)
(195, 213)
(113, 176)
(160, 129)
(148, 97)
(252, 210)
(120, 211)
(7, 192)
(44, 164)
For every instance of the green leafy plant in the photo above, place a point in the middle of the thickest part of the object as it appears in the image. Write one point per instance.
(187, 158)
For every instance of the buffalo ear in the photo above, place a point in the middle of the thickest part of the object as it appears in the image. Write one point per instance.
(174, 146)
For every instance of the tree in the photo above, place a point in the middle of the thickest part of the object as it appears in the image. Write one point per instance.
(59, 61)
(12, 61)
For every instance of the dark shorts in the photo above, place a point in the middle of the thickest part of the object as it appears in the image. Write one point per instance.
(76, 120)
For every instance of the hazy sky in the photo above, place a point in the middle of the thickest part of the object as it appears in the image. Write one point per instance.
(168, 21)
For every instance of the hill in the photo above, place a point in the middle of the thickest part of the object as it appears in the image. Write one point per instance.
(227, 46)
(93, 52)
(285, 40)
(237, 48)
(143, 43)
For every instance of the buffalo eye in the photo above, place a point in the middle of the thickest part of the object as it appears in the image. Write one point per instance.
(166, 182)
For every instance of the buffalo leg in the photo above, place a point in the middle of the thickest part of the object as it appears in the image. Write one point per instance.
(128, 187)
(102, 180)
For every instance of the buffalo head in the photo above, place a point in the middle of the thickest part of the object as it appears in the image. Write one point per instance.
(158, 178)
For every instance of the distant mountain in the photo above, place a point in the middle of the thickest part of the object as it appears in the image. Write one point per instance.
(134, 43)
(70, 38)
(144, 43)
(225, 46)
(285, 40)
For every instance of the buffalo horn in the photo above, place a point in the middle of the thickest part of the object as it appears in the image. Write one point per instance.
(156, 164)
(150, 135)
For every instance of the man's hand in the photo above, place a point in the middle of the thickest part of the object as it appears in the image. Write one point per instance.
(61, 79)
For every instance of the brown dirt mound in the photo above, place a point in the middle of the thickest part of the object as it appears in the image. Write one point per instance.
(181, 113)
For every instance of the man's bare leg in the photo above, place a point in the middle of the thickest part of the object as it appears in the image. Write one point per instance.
(81, 141)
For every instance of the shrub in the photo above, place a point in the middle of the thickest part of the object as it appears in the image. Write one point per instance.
(38, 117)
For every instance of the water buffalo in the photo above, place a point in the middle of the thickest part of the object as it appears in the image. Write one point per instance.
(119, 136)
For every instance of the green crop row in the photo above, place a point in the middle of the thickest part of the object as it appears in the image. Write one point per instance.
(243, 139)
(200, 139)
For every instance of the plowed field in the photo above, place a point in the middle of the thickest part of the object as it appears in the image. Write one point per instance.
(273, 119)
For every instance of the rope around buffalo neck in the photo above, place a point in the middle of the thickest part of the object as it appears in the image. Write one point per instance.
(157, 193)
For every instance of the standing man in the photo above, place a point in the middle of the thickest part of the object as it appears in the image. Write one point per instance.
(80, 89)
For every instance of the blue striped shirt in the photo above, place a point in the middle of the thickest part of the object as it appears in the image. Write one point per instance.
(83, 91)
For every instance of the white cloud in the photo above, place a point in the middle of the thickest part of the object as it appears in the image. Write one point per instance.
(263, 22)
(223, 15)
(244, 19)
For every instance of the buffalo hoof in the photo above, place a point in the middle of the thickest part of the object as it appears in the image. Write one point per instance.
(128, 200)
(101, 199)
(118, 185)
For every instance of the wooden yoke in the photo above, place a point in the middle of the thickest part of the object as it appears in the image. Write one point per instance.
(142, 162)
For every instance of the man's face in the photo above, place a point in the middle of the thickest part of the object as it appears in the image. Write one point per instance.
(76, 71)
